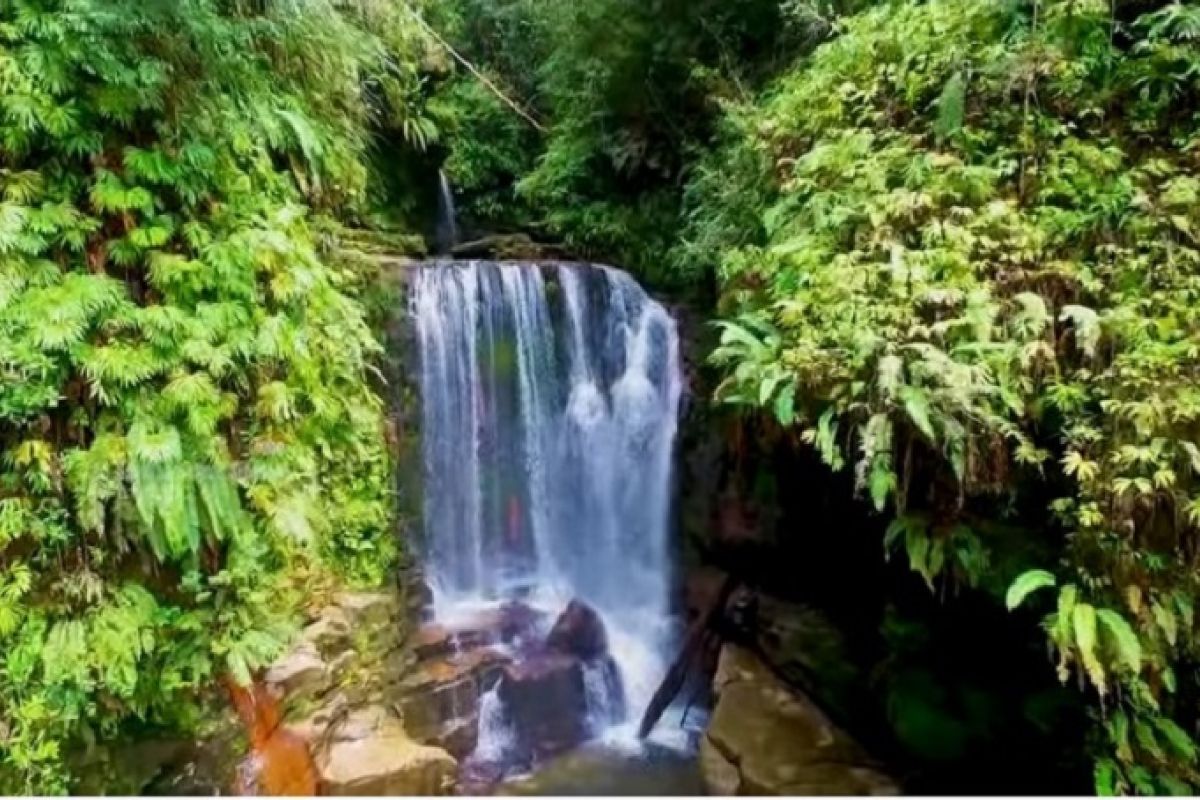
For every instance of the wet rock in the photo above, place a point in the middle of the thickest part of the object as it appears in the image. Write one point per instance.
(604, 691)
(439, 702)
(766, 739)
(579, 631)
(314, 726)
(330, 633)
(419, 600)
(721, 775)
(367, 608)
(701, 588)
(341, 663)
(480, 778)
(545, 698)
(300, 672)
(433, 640)
(503, 624)
(369, 753)
(518, 622)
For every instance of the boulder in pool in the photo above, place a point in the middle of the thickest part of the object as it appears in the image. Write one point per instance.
(579, 632)
(545, 699)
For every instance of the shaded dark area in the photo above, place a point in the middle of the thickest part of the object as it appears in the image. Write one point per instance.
(947, 688)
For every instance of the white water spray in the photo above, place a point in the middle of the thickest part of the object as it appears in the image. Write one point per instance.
(550, 406)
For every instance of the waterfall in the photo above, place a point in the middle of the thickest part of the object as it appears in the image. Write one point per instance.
(496, 737)
(550, 397)
(447, 221)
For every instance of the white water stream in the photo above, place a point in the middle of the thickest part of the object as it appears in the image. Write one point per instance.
(550, 399)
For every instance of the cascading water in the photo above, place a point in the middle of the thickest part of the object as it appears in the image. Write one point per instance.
(447, 219)
(550, 399)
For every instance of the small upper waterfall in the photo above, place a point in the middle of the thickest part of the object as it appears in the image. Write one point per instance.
(550, 397)
(447, 219)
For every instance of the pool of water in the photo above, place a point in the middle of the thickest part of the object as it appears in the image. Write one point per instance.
(607, 768)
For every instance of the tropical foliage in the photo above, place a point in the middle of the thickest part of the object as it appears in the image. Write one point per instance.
(624, 93)
(952, 243)
(958, 249)
(187, 422)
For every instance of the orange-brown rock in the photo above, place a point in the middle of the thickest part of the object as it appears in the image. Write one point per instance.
(279, 763)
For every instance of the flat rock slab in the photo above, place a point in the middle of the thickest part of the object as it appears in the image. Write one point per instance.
(486, 626)
(436, 672)
(371, 754)
(766, 739)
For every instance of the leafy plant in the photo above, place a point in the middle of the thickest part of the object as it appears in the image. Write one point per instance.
(186, 417)
(972, 277)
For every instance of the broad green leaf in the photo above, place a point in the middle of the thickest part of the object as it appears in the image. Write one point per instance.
(1146, 741)
(1083, 626)
(1087, 327)
(1104, 778)
(881, 482)
(1122, 637)
(950, 106)
(1118, 729)
(1193, 454)
(1166, 622)
(916, 405)
(785, 405)
(1176, 738)
(1027, 583)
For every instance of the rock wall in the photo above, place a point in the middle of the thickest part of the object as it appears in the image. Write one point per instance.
(766, 739)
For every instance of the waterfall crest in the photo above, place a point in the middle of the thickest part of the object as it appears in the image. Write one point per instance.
(550, 399)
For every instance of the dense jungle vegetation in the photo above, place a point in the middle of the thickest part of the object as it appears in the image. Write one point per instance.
(949, 246)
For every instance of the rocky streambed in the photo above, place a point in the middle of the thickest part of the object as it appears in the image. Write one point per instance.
(455, 704)
(511, 699)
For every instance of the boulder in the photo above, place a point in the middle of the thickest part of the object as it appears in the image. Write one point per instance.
(518, 622)
(545, 698)
(300, 672)
(579, 631)
(369, 753)
(766, 739)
